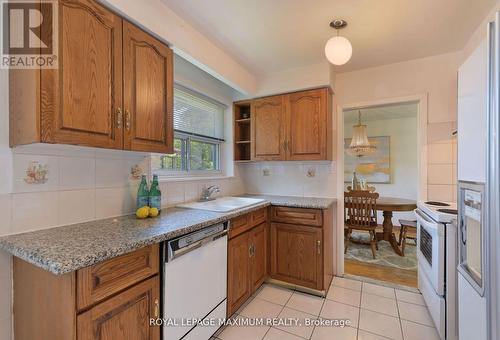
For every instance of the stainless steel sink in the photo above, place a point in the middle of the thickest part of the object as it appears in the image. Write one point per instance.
(223, 204)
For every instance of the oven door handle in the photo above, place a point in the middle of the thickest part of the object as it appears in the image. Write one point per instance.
(421, 215)
(425, 220)
(463, 236)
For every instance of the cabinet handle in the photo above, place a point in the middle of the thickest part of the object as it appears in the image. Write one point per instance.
(253, 249)
(250, 251)
(127, 120)
(319, 246)
(119, 118)
(157, 308)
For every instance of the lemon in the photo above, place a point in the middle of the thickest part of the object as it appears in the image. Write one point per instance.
(142, 212)
(153, 212)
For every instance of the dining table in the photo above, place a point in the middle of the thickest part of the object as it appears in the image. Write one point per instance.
(388, 205)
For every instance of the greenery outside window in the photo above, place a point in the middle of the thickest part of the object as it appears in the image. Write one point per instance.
(199, 130)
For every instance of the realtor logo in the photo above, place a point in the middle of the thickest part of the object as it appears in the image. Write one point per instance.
(29, 34)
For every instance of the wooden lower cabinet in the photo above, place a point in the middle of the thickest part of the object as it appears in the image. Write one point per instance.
(247, 265)
(258, 260)
(121, 297)
(238, 272)
(125, 316)
(296, 254)
(301, 246)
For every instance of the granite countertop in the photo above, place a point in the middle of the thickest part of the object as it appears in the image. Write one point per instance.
(297, 202)
(65, 249)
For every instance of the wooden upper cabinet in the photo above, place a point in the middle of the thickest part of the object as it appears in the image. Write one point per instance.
(148, 92)
(294, 127)
(268, 129)
(308, 121)
(113, 87)
(80, 101)
(124, 316)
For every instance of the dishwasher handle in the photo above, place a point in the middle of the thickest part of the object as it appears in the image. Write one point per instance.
(185, 244)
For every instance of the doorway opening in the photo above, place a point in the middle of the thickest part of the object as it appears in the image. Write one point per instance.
(385, 172)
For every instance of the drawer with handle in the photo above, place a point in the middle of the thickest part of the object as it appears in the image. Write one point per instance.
(301, 216)
(97, 282)
(239, 225)
(259, 217)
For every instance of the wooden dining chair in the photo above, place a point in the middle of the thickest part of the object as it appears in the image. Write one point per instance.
(360, 214)
(408, 231)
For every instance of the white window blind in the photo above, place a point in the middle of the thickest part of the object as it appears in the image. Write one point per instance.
(197, 115)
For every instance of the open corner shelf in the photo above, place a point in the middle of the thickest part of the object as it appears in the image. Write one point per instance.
(242, 131)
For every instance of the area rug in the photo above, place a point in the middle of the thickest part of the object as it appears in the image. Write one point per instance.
(385, 255)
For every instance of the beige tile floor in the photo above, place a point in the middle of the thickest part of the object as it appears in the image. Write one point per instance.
(375, 313)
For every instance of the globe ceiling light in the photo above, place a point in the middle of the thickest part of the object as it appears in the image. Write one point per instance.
(338, 50)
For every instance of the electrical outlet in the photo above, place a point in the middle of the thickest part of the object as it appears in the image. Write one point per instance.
(266, 172)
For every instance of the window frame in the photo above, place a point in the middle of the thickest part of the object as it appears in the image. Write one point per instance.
(186, 171)
(186, 138)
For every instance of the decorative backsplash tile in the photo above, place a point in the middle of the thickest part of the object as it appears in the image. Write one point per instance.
(136, 172)
(36, 173)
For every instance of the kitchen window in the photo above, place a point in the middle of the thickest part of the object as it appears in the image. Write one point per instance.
(198, 136)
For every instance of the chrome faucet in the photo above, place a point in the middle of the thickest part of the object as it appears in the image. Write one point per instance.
(206, 193)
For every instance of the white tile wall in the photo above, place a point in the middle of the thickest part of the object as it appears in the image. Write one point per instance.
(76, 173)
(442, 171)
(21, 163)
(112, 202)
(290, 178)
(76, 206)
(34, 210)
(5, 214)
(85, 184)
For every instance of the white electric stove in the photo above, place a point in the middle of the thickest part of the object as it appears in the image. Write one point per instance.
(437, 263)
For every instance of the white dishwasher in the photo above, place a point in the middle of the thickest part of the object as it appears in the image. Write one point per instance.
(194, 283)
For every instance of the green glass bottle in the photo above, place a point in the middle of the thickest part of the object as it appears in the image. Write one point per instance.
(143, 193)
(155, 194)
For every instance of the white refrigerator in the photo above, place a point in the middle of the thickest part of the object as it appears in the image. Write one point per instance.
(478, 190)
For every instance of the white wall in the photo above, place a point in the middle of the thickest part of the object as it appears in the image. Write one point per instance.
(290, 178)
(294, 79)
(403, 158)
(403, 154)
(435, 77)
(186, 41)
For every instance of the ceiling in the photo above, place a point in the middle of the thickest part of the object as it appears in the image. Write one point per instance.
(274, 35)
(394, 111)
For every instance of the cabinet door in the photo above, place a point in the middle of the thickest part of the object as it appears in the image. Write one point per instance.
(308, 120)
(268, 129)
(82, 99)
(238, 271)
(259, 255)
(148, 92)
(125, 316)
(296, 254)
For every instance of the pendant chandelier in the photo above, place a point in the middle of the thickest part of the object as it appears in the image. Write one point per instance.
(360, 145)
